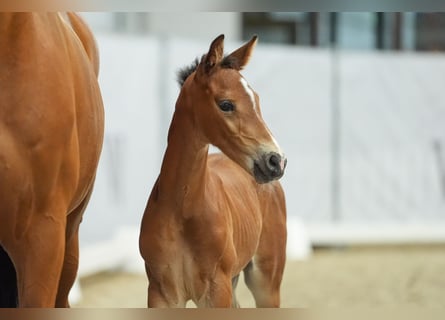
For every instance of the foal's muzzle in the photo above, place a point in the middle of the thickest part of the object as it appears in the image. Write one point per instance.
(269, 167)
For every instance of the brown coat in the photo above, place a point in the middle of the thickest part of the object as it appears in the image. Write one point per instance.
(209, 217)
(51, 132)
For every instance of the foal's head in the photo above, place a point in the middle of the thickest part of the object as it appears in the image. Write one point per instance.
(227, 110)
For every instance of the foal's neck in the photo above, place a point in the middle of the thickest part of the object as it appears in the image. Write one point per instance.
(184, 168)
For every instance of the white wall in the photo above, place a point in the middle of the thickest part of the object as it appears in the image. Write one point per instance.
(190, 25)
(196, 25)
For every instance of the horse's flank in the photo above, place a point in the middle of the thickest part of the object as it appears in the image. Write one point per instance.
(51, 132)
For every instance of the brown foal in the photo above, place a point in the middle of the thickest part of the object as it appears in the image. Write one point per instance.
(209, 217)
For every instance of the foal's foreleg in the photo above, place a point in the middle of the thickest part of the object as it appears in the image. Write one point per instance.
(158, 298)
(219, 294)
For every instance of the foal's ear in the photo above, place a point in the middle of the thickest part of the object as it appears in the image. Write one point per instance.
(215, 54)
(239, 58)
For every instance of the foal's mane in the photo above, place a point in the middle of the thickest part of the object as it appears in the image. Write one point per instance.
(186, 71)
(183, 73)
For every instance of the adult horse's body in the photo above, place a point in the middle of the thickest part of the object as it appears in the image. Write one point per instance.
(209, 217)
(51, 132)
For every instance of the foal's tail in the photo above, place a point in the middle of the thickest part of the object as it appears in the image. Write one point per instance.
(8, 282)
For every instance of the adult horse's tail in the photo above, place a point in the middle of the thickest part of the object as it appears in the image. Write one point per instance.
(86, 37)
(8, 282)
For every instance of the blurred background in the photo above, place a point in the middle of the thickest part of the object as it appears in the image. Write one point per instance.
(356, 101)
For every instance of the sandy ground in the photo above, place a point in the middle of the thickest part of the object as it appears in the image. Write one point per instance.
(343, 277)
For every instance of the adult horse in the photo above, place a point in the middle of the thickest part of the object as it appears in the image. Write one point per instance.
(51, 132)
(209, 217)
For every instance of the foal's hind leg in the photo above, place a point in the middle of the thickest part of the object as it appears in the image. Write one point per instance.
(264, 273)
(235, 303)
(264, 283)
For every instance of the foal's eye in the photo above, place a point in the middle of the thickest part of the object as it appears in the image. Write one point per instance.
(226, 106)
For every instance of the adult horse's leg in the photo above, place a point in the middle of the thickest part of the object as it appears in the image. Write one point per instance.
(8, 281)
(69, 271)
(38, 257)
(71, 259)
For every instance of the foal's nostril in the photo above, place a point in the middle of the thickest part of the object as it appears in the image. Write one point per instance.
(269, 167)
(273, 163)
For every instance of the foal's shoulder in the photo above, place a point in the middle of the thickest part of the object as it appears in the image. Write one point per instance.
(217, 158)
(220, 162)
(228, 171)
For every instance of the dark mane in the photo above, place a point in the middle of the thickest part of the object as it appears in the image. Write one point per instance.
(228, 62)
(185, 72)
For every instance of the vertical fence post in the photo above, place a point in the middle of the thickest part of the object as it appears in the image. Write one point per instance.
(379, 30)
(397, 31)
(438, 152)
(313, 28)
(335, 121)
